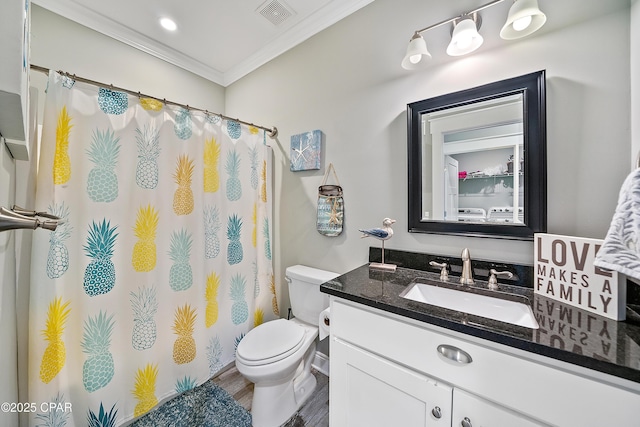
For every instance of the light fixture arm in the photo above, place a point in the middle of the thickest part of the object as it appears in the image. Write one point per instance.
(450, 20)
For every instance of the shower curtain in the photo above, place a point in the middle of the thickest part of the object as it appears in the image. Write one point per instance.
(163, 261)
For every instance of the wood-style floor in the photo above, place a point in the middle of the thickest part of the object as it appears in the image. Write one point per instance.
(314, 412)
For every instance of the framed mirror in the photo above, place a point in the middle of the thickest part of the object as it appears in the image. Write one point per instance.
(477, 161)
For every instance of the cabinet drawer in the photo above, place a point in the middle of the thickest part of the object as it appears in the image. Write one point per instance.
(540, 391)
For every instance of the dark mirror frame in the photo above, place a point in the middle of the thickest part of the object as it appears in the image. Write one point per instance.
(532, 86)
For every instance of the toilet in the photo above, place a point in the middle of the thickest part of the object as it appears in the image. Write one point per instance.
(276, 356)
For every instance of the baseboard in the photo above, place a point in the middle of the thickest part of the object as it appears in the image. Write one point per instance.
(225, 368)
(321, 363)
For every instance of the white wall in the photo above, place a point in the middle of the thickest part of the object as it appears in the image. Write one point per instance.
(347, 81)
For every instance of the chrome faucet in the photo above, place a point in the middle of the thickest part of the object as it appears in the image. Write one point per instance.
(467, 272)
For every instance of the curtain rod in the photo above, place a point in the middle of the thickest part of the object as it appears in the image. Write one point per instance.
(272, 132)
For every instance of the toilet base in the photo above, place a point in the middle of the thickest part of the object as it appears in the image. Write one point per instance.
(273, 404)
(303, 388)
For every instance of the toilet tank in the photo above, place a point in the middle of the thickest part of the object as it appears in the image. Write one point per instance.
(304, 292)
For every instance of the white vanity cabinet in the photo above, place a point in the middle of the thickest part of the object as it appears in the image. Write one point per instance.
(391, 370)
(368, 390)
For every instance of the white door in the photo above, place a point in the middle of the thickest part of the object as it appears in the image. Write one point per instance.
(471, 411)
(451, 185)
(368, 390)
(8, 333)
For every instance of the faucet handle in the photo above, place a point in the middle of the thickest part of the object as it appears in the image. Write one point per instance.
(493, 281)
(444, 273)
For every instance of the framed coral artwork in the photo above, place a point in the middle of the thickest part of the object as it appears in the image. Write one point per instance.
(305, 151)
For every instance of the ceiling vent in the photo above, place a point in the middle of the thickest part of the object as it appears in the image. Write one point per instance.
(275, 11)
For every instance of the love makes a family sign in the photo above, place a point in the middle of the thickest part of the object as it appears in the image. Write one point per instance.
(564, 271)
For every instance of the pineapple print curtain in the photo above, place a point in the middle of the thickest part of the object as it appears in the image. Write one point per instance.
(163, 262)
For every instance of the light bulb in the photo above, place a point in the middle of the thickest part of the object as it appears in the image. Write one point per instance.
(522, 23)
(414, 59)
(465, 38)
(464, 41)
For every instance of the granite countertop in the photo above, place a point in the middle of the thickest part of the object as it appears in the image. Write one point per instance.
(566, 333)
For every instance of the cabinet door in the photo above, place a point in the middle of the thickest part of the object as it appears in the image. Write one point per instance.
(472, 411)
(368, 390)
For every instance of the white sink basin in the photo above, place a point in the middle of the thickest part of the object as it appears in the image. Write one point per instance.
(445, 296)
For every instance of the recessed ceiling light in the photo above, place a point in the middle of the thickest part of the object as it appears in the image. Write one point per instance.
(168, 24)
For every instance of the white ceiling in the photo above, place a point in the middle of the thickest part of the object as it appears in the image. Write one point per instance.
(221, 40)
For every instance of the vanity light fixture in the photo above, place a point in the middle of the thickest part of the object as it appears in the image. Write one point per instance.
(524, 18)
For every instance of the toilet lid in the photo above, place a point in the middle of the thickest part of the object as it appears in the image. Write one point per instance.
(270, 342)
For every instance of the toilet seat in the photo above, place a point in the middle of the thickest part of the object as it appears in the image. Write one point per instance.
(270, 342)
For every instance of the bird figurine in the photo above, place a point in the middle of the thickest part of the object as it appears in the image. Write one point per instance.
(382, 234)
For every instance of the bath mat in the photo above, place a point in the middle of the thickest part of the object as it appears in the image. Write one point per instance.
(205, 406)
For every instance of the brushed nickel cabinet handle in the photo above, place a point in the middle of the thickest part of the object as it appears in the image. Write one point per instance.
(454, 353)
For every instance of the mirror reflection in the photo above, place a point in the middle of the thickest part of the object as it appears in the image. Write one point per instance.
(476, 157)
(477, 160)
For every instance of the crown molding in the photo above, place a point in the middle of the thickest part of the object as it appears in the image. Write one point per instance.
(303, 30)
(313, 24)
(113, 29)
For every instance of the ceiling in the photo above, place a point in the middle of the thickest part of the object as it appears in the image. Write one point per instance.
(220, 40)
